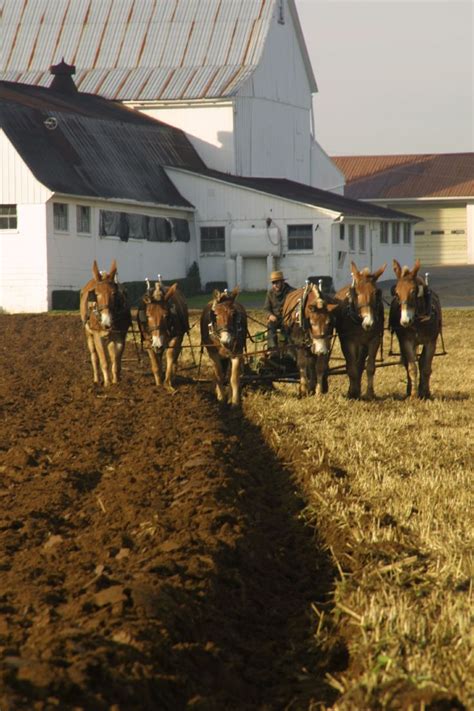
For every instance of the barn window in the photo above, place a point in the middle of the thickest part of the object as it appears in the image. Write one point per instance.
(300, 237)
(406, 233)
(213, 240)
(437, 232)
(61, 216)
(419, 232)
(83, 219)
(384, 233)
(457, 232)
(395, 233)
(361, 238)
(8, 217)
(351, 237)
(341, 231)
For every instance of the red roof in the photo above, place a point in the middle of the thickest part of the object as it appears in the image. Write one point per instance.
(441, 175)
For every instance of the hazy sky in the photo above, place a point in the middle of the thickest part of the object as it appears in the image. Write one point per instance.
(394, 76)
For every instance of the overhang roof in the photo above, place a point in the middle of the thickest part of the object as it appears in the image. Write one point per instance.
(141, 50)
(94, 147)
(307, 195)
(436, 175)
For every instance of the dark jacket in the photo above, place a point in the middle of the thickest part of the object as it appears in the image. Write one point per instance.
(274, 301)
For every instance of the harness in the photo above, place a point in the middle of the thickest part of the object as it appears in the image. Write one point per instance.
(352, 309)
(119, 308)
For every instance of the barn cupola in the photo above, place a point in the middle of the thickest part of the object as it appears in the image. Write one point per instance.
(63, 81)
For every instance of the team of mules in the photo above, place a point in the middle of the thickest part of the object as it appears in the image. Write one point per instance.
(310, 317)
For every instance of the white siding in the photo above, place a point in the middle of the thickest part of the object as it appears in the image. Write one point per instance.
(233, 207)
(70, 255)
(17, 182)
(210, 128)
(23, 286)
(273, 111)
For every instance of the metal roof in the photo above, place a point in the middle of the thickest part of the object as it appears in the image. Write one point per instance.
(94, 147)
(140, 49)
(440, 175)
(307, 195)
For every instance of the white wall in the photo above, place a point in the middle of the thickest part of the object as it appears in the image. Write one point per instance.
(209, 127)
(70, 255)
(221, 204)
(23, 284)
(374, 255)
(324, 173)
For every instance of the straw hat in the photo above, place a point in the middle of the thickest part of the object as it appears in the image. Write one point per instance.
(277, 276)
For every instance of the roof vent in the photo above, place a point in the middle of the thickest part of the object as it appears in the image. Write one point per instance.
(63, 81)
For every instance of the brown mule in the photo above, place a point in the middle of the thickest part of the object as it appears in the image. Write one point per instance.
(359, 324)
(224, 334)
(163, 322)
(106, 316)
(415, 317)
(309, 320)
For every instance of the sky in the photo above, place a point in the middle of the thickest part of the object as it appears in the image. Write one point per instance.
(393, 76)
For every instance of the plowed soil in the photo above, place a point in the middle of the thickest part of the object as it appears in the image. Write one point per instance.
(152, 552)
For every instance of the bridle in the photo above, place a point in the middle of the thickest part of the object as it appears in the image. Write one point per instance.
(354, 308)
(236, 329)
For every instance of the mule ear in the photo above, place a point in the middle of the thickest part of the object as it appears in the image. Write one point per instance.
(171, 290)
(380, 271)
(235, 292)
(354, 270)
(216, 295)
(113, 270)
(415, 269)
(397, 268)
(95, 271)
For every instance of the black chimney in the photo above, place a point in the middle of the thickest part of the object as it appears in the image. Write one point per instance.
(63, 81)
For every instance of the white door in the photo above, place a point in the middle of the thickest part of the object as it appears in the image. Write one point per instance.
(254, 275)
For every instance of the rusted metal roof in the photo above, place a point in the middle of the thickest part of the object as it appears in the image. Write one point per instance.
(94, 147)
(138, 49)
(307, 195)
(440, 175)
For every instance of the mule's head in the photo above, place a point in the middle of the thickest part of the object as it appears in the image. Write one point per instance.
(158, 317)
(407, 290)
(106, 294)
(319, 320)
(225, 317)
(365, 294)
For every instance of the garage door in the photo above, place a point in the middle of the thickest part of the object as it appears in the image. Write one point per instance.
(442, 237)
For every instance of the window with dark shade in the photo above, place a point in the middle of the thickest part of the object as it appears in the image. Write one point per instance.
(384, 233)
(213, 240)
(406, 233)
(300, 237)
(361, 238)
(8, 217)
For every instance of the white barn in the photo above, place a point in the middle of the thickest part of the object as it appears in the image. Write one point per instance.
(84, 177)
(234, 75)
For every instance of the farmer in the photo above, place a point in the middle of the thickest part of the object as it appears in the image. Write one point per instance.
(274, 301)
